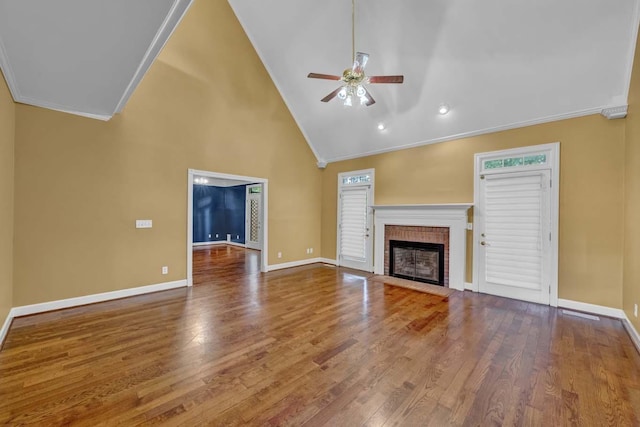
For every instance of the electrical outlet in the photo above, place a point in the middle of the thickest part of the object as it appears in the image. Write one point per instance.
(635, 310)
(469, 226)
(165, 270)
(144, 223)
(216, 236)
(237, 236)
(210, 236)
(310, 250)
(279, 254)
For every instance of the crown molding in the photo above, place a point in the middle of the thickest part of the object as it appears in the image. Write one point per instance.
(9, 76)
(170, 23)
(612, 113)
(515, 125)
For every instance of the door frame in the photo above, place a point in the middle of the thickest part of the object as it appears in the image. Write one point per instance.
(552, 151)
(341, 175)
(247, 221)
(264, 259)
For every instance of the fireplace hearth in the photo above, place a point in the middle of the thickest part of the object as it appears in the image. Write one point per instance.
(423, 262)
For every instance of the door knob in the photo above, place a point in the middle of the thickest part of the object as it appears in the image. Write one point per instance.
(483, 243)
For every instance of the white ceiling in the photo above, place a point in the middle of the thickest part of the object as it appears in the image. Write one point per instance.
(82, 56)
(498, 64)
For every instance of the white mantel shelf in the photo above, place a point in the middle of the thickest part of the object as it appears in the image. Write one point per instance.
(450, 215)
(461, 206)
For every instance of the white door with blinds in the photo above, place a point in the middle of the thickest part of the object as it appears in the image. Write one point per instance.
(355, 248)
(515, 241)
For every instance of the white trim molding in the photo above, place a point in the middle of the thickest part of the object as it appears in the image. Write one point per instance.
(468, 286)
(264, 253)
(602, 310)
(26, 310)
(219, 242)
(5, 328)
(452, 216)
(170, 23)
(631, 330)
(613, 113)
(299, 263)
(174, 16)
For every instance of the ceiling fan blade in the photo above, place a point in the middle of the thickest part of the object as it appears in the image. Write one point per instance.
(323, 76)
(331, 95)
(367, 95)
(386, 79)
(359, 62)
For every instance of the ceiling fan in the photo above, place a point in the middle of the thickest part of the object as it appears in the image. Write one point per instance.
(354, 78)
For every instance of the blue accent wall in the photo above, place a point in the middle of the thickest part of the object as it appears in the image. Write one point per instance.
(218, 210)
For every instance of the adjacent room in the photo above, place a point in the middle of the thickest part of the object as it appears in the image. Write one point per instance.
(319, 213)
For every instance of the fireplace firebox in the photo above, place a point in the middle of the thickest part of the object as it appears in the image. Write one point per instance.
(422, 262)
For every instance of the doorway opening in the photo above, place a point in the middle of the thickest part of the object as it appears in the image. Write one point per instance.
(252, 229)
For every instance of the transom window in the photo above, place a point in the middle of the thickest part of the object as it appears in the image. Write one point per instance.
(356, 179)
(516, 161)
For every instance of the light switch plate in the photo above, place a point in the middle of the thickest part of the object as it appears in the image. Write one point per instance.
(144, 223)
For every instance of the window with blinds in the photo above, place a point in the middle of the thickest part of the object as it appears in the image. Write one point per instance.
(353, 223)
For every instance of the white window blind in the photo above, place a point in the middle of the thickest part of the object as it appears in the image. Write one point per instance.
(513, 226)
(353, 223)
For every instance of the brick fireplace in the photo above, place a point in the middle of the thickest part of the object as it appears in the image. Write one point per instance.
(442, 224)
(417, 234)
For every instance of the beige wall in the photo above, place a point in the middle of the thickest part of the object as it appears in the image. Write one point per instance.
(631, 289)
(591, 194)
(207, 103)
(7, 133)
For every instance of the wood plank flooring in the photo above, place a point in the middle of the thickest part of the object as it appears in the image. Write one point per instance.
(315, 346)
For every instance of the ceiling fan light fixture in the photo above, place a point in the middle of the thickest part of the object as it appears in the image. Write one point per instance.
(343, 93)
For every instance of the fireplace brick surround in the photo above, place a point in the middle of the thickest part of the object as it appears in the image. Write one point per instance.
(452, 217)
(411, 233)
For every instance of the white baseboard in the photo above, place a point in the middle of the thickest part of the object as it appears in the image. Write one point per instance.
(328, 261)
(26, 310)
(633, 333)
(468, 286)
(591, 308)
(219, 242)
(214, 242)
(241, 245)
(299, 263)
(5, 328)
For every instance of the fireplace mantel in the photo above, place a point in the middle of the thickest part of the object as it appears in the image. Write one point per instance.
(452, 215)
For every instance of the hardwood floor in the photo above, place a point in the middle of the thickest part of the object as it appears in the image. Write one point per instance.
(315, 346)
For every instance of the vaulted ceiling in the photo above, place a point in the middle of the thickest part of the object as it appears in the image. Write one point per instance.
(82, 57)
(497, 64)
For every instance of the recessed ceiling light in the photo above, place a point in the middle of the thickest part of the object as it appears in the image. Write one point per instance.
(381, 126)
(443, 109)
